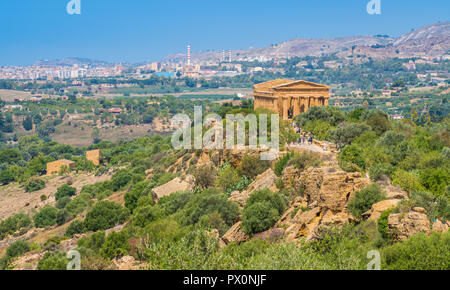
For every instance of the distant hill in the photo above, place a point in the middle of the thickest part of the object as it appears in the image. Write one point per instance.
(432, 40)
(70, 61)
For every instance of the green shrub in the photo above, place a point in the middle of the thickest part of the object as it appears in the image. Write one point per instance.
(138, 190)
(63, 216)
(436, 180)
(205, 176)
(419, 252)
(174, 202)
(351, 158)
(377, 171)
(105, 215)
(62, 202)
(383, 223)
(34, 184)
(53, 261)
(364, 199)
(120, 179)
(282, 163)
(16, 249)
(146, 214)
(436, 207)
(94, 242)
(13, 224)
(346, 133)
(45, 217)
(262, 210)
(76, 227)
(252, 165)
(227, 177)
(207, 202)
(408, 181)
(303, 161)
(65, 191)
(320, 129)
(116, 244)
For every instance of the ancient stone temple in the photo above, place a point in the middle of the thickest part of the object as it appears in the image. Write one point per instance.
(289, 98)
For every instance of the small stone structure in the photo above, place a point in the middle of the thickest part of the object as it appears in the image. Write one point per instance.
(94, 156)
(55, 166)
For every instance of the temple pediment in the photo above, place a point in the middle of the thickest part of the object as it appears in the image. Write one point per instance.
(285, 84)
(300, 85)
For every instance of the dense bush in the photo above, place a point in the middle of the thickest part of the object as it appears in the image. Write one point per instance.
(45, 217)
(227, 178)
(174, 202)
(331, 115)
(116, 244)
(346, 133)
(408, 181)
(105, 215)
(63, 216)
(13, 224)
(138, 190)
(378, 171)
(146, 214)
(14, 250)
(282, 163)
(34, 184)
(207, 202)
(303, 161)
(436, 207)
(262, 210)
(419, 252)
(120, 179)
(252, 165)
(205, 176)
(76, 227)
(351, 158)
(364, 199)
(53, 261)
(64, 191)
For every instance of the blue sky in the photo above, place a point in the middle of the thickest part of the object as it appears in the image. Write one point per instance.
(148, 30)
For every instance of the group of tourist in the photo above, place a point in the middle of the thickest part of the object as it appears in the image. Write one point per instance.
(304, 137)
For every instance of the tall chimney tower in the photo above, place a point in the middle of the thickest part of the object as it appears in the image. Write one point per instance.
(189, 55)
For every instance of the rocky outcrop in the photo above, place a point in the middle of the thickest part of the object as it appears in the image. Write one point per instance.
(403, 225)
(331, 189)
(377, 208)
(177, 184)
(235, 234)
(326, 192)
(129, 263)
(262, 181)
(395, 192)
(439, 226)
(271, 235)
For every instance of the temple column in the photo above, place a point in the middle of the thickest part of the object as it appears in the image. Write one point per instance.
(325, 102)
(296, 106)
(285, 109)
(306, 104)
